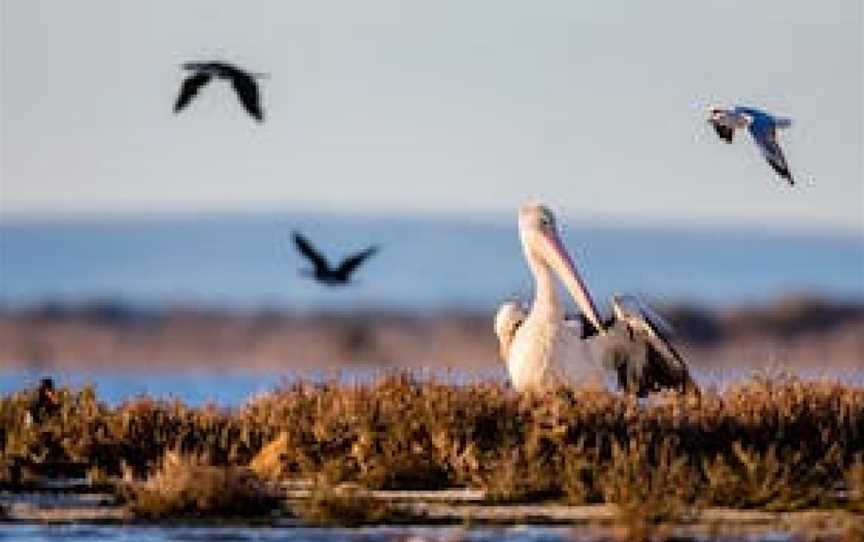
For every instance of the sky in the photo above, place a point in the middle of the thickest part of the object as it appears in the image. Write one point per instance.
(450, 108)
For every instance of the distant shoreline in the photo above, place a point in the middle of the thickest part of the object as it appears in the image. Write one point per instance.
(798, 332)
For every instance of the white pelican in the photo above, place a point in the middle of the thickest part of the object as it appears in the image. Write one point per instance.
(763, 128)
(543, 348)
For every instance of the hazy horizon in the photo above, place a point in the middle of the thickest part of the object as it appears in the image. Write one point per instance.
(571, 225)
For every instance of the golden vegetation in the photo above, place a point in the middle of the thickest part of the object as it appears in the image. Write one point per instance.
(855, 484)
(348, 505)
(183, 487)
(778, 444)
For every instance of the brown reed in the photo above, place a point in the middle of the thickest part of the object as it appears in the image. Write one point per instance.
(184, 487)
(775, 443)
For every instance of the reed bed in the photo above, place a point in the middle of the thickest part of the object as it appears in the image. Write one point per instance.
(771, 443)
(184, 487)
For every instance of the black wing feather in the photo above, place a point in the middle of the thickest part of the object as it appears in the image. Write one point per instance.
(247, 91)
(642, 353)
(191, 86)
(350, 263)
(776, 159)
(726, 133)
(307, 250)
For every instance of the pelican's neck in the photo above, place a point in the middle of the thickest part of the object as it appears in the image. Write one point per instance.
(546, 303)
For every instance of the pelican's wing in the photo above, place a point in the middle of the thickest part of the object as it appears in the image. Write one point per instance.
(634, 308)
(247, 91)
(191, 86)
(725, 132)
(306, 249)
(350, 263)
(765, 136)
(662, 365)
(582, 325)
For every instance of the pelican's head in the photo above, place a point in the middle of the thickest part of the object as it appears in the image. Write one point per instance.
(542, 246)
(507, 320)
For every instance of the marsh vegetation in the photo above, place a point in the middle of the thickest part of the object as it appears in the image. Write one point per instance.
(770, 443)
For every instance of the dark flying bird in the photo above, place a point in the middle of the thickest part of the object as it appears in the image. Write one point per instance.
(763, 128)
(322, 271)
(243, 82)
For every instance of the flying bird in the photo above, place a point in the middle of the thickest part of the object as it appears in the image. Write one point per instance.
(322, 271)
(763, 127)
(243, 82)
(542, 346)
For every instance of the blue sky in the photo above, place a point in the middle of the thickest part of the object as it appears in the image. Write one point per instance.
(449, 108)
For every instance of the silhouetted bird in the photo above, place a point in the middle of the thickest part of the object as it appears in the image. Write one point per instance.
(45, 404)
(243, 82)
(322, 272)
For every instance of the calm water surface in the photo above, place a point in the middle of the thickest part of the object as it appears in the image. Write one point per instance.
(233, 389)
(250, 262)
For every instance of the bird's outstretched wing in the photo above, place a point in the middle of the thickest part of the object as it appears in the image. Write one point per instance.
(307, 250)
(774, 155)
(641, 318)
(650, 362)
(247, 91)
(191, 86)
(725, 132)
(765, 135)
(351, 263)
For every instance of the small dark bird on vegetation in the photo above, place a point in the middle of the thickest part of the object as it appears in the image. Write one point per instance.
(45, 404)
(322, 271)
(243, 82)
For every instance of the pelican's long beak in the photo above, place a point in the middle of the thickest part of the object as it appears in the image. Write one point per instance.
(563, 265)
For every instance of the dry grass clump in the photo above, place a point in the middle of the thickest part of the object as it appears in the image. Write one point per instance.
(854, 532)
(185, 488)
(771, 480)
(348, 505)
(269, 463)
(648, 489)
(133, 436)
(776, 443)
(855, 483)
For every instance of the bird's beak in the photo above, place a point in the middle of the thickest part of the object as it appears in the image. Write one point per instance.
(563, 265)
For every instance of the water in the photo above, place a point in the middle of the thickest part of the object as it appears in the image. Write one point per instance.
(194, 388)
(229, 388)
(246, 262)
(40, 533)
(234, 388)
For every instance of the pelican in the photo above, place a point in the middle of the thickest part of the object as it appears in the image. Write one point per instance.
(763, 129)
(243, 82)
(543, 347)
